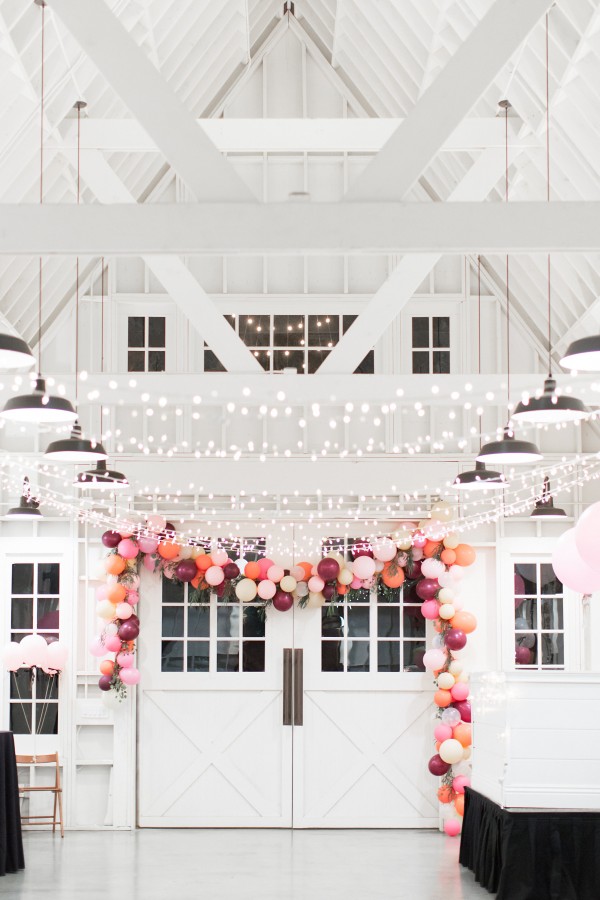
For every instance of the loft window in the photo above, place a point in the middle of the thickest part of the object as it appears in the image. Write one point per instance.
(146, 344)
(431, 345)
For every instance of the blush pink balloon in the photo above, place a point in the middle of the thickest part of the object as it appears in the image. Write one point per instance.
(97, 648)
(434, 659)
(459, 691)
(156, 523)
(570, 568)
(148, 544)
(430, 609)
(264, 565)
(125, 660)
(130, 676)
(219, 557)
(364, 567)
(297, 572)
(586, 536)
(133, 598)
(149, 563)
(128, 549)
(214, 576)
(124, 611)
(355, 584)
(101, 592)
(275, 573)
(266, 589)
(419, 540)
(112, 643)
(417, 554)
(442, 732)
(452, 827)
(460, 783)
(316, 584)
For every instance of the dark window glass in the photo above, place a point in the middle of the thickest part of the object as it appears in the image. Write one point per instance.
(228, 656)
(332, 624)
(172, 656)
(136, 331)
(331, 656)
(156, 361)
(529, 642)
(526, 615)
(172, 621)
(20, 685)
(253, 623)
(135, 361)
(367, 366)
(197, 656)
(441, 362)
(347, 322)
(22, 578)
(553, 649)
(288, 359)
(255, 331)
(358, 621)
(420, 331)
(228, 623)
(264, 358)
(21, 613)
(46, 718)
(172, 592)
(212, 363)
(549, 582)
(420, 363)
(358, 656)
(525, 579)
(255, 548)
(198, 621)
(413, 622)
(48, 578)
(388, 656)
(552, 614)
(388, 621)
(315, 358)
(231, 319)
(253, 656)
(323, 331)
(441, 331)
(20, 718)
(288, 331)
(156, 332)
(46, 686)
(413, 656)
(47, 613)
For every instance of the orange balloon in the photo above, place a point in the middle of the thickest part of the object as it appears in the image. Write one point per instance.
(307, 569)
(116, 593)
(342, 589)
(114, 564)
(448, 557)
(195, 582)
(204, 562)
(393, 581)
(464, 620)
(462, 733)
(129, 645)
(459, 804)
(442, 698)
(437, 746)
(252, 571)
(465, 555)
(107, 666)
(445, 793)
(168, 550)
(431, 548)
(437, 626)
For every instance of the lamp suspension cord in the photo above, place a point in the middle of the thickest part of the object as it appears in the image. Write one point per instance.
(479, 335)
(507, 267)
(41, 190)
(77, 260)
(548, 188)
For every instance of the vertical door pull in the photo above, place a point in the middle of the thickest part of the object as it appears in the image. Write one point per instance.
(287, 686)
(298, 687)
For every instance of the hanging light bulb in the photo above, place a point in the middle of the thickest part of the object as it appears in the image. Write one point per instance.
(101, 479)
(39, 407)
(549, 408)
(544, 507)
(28, 507)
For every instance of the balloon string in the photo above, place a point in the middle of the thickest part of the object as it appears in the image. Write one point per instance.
(41, 189)
(548, 186)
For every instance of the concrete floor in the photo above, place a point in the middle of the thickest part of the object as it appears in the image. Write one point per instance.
(253, 864)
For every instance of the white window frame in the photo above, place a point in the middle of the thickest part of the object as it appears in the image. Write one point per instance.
(146, 309)
(430, 309)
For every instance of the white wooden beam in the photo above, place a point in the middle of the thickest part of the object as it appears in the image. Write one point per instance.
(297, 228)
(151, 101)
(448, 100)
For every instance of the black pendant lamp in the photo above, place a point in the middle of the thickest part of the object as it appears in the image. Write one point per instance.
(544, 507)
(549, 408)
(100, 478)
(29, 507)
(583, 354)
(39, 407)
(15, 353)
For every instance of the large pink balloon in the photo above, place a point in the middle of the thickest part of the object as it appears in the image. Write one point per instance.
(586, 536)
(148, 544)
(364, 567)
(266, 589)
(214, 576)
(570, 568)
(130, 676)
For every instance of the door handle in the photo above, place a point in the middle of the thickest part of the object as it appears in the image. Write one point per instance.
(298, 687)
(287, 686)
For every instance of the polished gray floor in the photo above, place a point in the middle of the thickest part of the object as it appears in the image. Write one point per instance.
(186, 864)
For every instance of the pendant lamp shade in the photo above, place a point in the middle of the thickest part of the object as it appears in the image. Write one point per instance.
(550, 408)
(28, 507)
(583, 354)
(101, 479)
(544, 507)
(480, 479)
(75, 449)
(509, 451)
(39, 407)
(15, 353)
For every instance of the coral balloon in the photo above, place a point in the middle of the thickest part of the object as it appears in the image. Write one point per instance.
(266, 589)
(116, 593)
(442, 699)
(465, 555)
(328, 569)
(128, 549)
(463, 734)
(430, 609)
(445, 794)
(114, 564)
(246, 590)
(430, 548)
(214, 576)
(307, 567)
(168, 550)
(107, 667)
(130, 676)
(452, 827)
(393, 579)
(283, 601)
(442, 732)
(459, 804)
(448, 557)
(437, 766)
(204, 562)
(451, 751)
(464, 621)
(111, 539)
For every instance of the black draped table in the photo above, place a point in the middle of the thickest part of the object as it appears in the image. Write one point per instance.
(549, 855)
(11, 844)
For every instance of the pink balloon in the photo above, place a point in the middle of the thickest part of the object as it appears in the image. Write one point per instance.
(266, 589)
(417, 554)
(156, 523)
(570, 568)
(148, 544)
(112, 643)
(452, 827)
(130, 676)
(133, 598)
(101, 592)
(297, 572)
(419, 540)
(128, 549)
(430, 609)
(459, 691)
(460, 783)
(355, 584)
(434, 659)
(275, 573)
(384, 549)
(125, 659)
(364, 567)
(149, 563)
(442, 732)
(586, 536)
(214, 575)
(124, 610)
(264, 565)
(57, 656)
(219, 557)
(97, 648)
(316, 584)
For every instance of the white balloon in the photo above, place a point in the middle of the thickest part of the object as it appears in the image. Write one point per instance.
(451, 751)
(455, 666)
(12, 656)
(315, 600)
(302, 589)
(35, 650)
(379, 564)
(57, 656)
(186, 551)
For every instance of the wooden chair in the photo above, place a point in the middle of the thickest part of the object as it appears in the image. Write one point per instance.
(56, 789)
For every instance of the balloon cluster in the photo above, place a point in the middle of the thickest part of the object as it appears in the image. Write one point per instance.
(34, 651)
(576, 561)
(439, 587)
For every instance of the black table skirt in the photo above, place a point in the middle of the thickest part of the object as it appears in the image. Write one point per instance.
(11, 844)
(531, 855)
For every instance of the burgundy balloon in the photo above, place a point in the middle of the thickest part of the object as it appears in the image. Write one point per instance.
(186, 570)
(427, 588)
(328, 591)
(413, 570)
(437, 766)
(111, 539)
(283, 601)
(104, 682)
(128, 630)
(220, 589)
(328, 569)
(134, 618)
(361, 551)
(455, 639)
(464, 708)
(522, 655)
(230, 570)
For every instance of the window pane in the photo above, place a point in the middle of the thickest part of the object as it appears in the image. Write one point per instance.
(413, 656)
(22, 578)
(172, 656)
(172, 621)
(198, 621)
(172, 592)
(525, 650)
(253, 622)
(264, 358)
(525, 579)
(255, 331)
(332, 625)
(441, 331)
(288, 359)
(323, 331)
(47, 613)
(21, 613)
(135, 331)
(253, 656)
(552, 614)
(413, 622)
(20, 685)
(388, 621)
(288, 331)
(228, 621)
(46, 687)
(48, 578)
(197, 656)
(156, 332)
(553, 649)
(46, 718)
(441, 362)
(331, 656)
(212, 363)
(549, 582)
(135, 361)
(358, 656)
(20, 718)
(388, 656)
(347, 322)
(156, 361)
(315, 358)
(526, 615)
(228, 656)
(358, 621)
(367, 366)
(420, 331)
(420, 363)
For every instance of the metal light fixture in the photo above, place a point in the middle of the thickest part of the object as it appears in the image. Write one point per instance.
(15, 353)
(583, 354)
(101, 479)
(509, 451)
(28, 507)
(544, 507)
(480, 479)
(75, 449)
